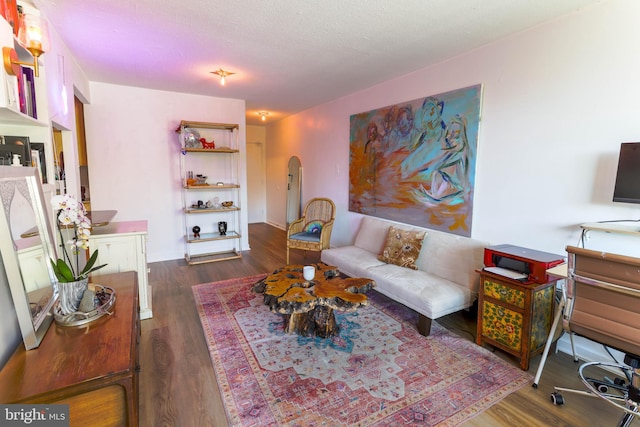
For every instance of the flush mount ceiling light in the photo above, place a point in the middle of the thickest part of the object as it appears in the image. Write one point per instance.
(34, 37)
(223, 74)
(263, 115)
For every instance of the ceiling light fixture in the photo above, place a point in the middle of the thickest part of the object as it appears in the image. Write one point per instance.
(263, 115)
(34, 37)
(223, 74)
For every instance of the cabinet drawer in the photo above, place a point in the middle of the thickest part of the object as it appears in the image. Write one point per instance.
(503, 292)
(502, 325)
(105, 406)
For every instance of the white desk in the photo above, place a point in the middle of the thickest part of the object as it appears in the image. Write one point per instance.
(559, 271)
(628, 227)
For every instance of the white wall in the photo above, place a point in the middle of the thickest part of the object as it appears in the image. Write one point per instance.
(133, 155)
(256, 174)
(557, 102)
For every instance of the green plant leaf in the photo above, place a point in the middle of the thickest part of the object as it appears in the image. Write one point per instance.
(92, 260)
(62, 271)
(86, 273)
(89, 267)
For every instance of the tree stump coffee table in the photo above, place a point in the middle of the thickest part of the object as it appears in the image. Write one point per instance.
(307, 306)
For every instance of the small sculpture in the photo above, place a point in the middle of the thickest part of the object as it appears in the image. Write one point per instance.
(208, 145)
(222, 228)
(196, 232)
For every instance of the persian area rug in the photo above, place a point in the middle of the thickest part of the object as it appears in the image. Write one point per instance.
(378, 371)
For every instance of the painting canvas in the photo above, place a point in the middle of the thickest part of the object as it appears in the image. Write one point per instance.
(415, 162)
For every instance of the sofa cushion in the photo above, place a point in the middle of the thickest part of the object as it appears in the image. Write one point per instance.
(351, 260)
(453, 257)
(372, 235)
(402, 247)
(425, 293)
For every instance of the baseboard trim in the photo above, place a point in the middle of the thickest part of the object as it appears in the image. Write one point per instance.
(276, 225)
(588, 351)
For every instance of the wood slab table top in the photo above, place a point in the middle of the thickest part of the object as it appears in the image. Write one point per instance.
(308, 305)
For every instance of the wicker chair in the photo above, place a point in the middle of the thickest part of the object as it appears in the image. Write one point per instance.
(312, 232)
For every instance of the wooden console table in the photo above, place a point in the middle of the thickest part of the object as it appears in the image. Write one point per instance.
(93, 368)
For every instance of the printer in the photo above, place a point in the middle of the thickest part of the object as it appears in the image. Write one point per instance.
(515, 262)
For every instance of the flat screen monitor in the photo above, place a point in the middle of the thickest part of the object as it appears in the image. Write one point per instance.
(627, 188)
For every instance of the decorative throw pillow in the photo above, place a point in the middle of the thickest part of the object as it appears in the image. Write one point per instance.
(314, 227)
(402, 247)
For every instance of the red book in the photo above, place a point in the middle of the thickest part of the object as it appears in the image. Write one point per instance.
(11, 15)
(21, 94)
(3, 9)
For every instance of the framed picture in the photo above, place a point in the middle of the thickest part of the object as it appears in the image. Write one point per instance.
(11, 145)
(39, 160)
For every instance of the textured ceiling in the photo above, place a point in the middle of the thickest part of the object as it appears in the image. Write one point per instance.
(288, 55)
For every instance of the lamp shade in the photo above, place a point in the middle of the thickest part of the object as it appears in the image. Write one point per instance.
(34, 34)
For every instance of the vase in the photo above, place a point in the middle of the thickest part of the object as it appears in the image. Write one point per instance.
(70, 294)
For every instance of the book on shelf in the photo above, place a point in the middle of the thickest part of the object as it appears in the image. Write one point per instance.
(22, 97)
(29, 91)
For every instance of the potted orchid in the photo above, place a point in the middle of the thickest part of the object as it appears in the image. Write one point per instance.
(72, 280)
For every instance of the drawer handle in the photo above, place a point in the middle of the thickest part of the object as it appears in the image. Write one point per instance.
(503, 292)
(501, 312)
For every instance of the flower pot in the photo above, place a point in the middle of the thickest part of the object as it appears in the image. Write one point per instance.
(70, 294)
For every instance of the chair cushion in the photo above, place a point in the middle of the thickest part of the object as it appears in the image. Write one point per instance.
(314, 227)
(402, 247)
(306, 236)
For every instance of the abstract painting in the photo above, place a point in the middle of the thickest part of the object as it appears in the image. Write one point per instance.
(415, 162)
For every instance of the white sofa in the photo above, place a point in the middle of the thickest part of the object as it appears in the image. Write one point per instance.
(446, 280)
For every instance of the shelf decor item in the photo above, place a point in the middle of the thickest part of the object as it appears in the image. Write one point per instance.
(72, 221)
(207, 145)
(222, 228)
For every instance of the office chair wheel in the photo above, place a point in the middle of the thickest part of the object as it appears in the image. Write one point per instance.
(557, 398)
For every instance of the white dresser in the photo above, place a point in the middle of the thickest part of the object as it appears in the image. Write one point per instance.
(123, 247)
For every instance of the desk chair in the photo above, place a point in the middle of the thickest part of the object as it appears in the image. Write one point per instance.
(312, 232)
(603, 305)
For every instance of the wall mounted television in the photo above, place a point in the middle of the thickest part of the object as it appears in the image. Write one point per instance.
(627, 188)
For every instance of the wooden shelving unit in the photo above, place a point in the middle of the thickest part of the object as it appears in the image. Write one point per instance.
(220, 166)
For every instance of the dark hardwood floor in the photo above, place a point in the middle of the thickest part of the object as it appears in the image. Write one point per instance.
(178, 386)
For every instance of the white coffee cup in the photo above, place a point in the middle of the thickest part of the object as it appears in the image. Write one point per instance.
(308, 272)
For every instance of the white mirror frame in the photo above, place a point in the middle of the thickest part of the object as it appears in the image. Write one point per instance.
(32, 328)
